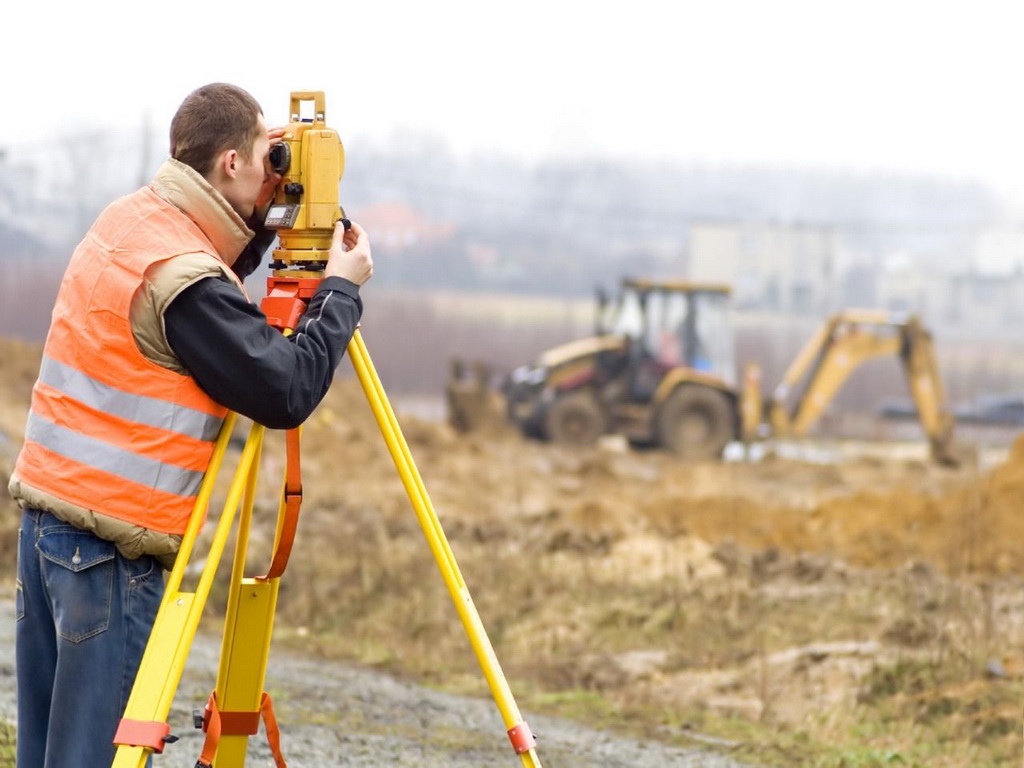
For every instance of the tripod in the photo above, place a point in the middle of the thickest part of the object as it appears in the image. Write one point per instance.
(238, 703)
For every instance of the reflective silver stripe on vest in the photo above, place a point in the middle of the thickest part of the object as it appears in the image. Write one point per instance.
(116, 461)
(138, 408)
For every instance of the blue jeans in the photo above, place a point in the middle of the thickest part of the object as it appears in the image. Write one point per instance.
(84, 614)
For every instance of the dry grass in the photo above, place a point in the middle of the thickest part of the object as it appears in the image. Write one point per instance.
(6, 745)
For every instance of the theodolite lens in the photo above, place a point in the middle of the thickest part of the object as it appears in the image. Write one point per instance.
(280, 158)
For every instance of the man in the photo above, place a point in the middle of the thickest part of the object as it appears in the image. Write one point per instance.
(152, 341)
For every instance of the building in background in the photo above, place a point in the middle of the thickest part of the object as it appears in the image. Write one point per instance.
(981, 293)
(900, 287)
(785, 268)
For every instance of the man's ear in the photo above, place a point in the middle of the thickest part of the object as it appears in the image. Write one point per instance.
(228, 163)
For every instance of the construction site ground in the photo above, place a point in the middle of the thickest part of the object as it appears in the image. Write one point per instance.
(837, 612)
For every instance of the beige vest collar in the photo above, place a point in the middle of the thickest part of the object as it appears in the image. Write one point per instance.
(190, 193)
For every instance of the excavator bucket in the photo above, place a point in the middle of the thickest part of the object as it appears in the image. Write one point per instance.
(471, 402)
(944, 450)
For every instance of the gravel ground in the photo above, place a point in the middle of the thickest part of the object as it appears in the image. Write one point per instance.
(334, 714)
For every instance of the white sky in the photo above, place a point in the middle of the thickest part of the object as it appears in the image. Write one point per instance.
(931, 87)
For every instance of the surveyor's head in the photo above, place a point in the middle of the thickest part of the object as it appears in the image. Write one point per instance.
(219, 131)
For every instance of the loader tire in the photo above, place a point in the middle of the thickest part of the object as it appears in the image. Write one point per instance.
(696, 422)
(575, 419)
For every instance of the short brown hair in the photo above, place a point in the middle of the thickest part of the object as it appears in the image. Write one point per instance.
(211, 119)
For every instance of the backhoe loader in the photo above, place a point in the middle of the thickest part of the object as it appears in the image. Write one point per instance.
(661, 371)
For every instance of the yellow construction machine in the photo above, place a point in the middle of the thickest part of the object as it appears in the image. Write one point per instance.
(661, 372)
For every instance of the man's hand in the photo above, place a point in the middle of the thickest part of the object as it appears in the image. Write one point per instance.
(271, 177)
(350, 254)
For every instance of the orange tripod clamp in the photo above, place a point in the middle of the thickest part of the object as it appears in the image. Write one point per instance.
(286, 299)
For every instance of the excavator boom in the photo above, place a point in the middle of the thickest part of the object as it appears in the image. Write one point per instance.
(844, 343)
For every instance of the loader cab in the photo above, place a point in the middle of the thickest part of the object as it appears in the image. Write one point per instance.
(671, 325)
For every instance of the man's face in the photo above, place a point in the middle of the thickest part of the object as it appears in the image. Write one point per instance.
(250, 174)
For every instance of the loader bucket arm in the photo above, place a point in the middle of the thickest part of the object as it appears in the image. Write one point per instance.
(803, 368)
(828, 361)
(843, 344)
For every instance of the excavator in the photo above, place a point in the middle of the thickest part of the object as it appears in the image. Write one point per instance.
(660, 370)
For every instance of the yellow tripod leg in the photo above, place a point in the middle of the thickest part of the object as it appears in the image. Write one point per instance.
(518, 731)
(245, 650)
(178, 617)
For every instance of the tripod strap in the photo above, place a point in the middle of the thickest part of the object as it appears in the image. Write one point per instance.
(292, 502)
(217, 724)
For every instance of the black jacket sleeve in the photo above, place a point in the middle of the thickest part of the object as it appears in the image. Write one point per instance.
(245, 365)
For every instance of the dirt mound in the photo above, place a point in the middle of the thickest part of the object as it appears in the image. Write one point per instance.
(867, 513)
(968, 524)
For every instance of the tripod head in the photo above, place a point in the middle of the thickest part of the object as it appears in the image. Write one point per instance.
(311, 161)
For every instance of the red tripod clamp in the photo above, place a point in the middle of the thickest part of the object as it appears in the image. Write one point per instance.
(286, 299)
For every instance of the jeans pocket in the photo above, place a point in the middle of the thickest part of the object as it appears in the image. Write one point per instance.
(142, 568)
(78, 572)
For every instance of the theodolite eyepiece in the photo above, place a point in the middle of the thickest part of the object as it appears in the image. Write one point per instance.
(281, 158)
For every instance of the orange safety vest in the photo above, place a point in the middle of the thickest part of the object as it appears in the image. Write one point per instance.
(109, 430)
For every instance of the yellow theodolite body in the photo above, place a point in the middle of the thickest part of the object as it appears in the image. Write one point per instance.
(311, 160)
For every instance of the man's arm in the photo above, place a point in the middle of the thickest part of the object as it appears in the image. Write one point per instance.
(249, 367)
